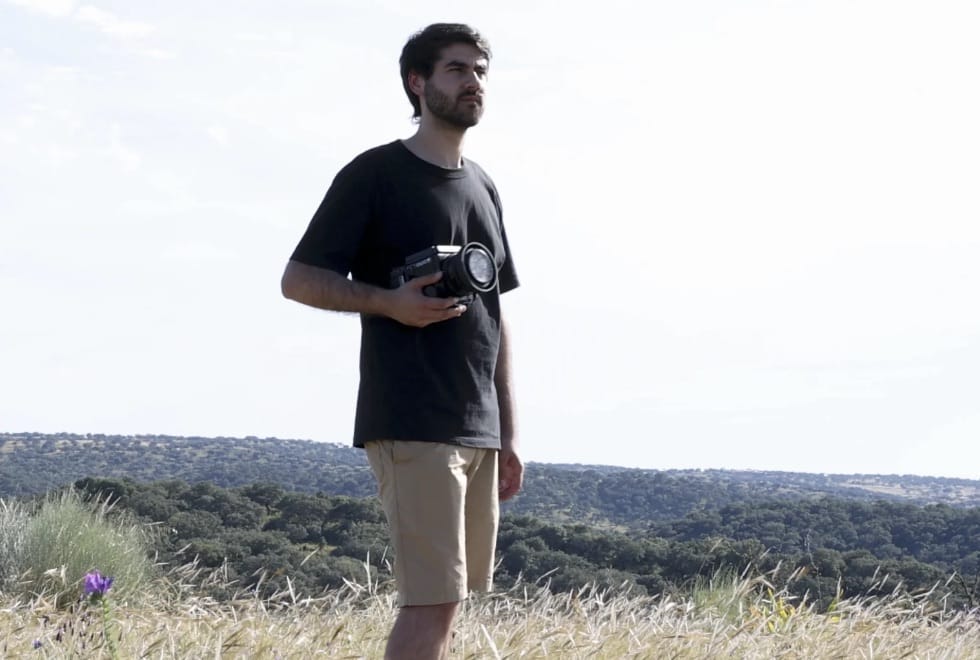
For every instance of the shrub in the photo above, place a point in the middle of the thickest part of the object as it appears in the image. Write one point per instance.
(65, 538)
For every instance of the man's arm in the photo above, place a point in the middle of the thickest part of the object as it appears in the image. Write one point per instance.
(327, 289)
(509, 464)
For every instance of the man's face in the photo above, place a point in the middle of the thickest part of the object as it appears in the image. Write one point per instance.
(454, 91)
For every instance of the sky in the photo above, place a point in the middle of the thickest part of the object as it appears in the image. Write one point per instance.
(747, 232)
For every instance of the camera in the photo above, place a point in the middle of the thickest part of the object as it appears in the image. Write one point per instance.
(466, 271)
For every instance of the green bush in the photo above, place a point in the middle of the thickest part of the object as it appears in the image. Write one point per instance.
(52, 548)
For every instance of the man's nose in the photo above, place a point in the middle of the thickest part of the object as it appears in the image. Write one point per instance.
(473, 81)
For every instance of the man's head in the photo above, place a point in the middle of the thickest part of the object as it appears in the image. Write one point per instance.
(426, 49)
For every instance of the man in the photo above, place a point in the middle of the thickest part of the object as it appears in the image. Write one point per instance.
(435, 407)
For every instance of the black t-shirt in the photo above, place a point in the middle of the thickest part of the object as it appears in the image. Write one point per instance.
(432, 384)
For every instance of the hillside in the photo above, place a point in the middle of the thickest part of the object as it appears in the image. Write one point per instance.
(264, 504)
(33, 463)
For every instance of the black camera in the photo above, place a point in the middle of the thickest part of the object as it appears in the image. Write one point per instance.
(466, 271)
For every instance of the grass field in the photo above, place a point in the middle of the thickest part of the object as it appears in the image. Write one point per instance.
(742, 619)
(52, 607)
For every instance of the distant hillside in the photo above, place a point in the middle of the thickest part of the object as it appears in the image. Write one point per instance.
(33, 463)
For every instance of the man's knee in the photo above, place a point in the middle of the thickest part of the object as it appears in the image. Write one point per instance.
(437, 616)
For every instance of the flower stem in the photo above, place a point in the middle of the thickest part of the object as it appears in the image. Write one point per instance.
(106, 632)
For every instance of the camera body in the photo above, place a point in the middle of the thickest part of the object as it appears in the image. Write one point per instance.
(466, 271)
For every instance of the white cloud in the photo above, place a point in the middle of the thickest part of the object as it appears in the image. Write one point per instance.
(158, 54)
(111, 24)
(219, 134)
(253, 37)
(202, 252)
(281, 37)
(58, 8)
(8, 60)
(127, 157)
(105, 21)
(56, 155)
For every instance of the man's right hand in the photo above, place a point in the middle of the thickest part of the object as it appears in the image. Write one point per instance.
(409, 306)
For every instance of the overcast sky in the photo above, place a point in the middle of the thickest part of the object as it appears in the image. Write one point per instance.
(747, 232)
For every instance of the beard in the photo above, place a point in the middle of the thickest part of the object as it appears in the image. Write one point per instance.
(452, 112)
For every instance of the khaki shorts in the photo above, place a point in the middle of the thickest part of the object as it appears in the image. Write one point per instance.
(441, 505)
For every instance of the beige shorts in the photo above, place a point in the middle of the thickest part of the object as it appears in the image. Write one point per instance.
(441, 505)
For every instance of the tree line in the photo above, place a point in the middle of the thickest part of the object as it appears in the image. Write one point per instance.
(261, 534)
(32, 463)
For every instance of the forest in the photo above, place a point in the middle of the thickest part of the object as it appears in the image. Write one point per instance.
(261, 534)
(264, 510)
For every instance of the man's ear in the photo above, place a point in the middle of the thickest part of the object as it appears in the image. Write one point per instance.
(416, 83)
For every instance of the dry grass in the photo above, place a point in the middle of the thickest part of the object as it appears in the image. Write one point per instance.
(743, 620)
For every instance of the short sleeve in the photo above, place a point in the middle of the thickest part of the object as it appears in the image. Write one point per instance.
(507, 279)
(507, 275)
(334, 235)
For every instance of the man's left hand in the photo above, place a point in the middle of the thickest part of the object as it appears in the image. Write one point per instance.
(511, 474)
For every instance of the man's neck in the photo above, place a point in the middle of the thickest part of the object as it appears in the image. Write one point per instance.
(439, 145)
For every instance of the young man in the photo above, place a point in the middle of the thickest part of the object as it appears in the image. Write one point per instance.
(435, 407)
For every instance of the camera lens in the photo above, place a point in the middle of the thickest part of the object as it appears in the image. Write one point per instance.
(467, 270)
(480, 267)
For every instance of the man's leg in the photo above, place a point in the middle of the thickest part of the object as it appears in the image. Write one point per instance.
(423, 489)
(422, 632)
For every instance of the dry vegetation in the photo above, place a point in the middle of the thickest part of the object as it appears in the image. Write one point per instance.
(187, 613)
(740, 618)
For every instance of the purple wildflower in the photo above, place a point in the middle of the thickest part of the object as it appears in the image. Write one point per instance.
(36, 644)
(96, 584)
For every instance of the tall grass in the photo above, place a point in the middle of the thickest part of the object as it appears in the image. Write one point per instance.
(744, 620)
(48, 548)
(13, 533)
